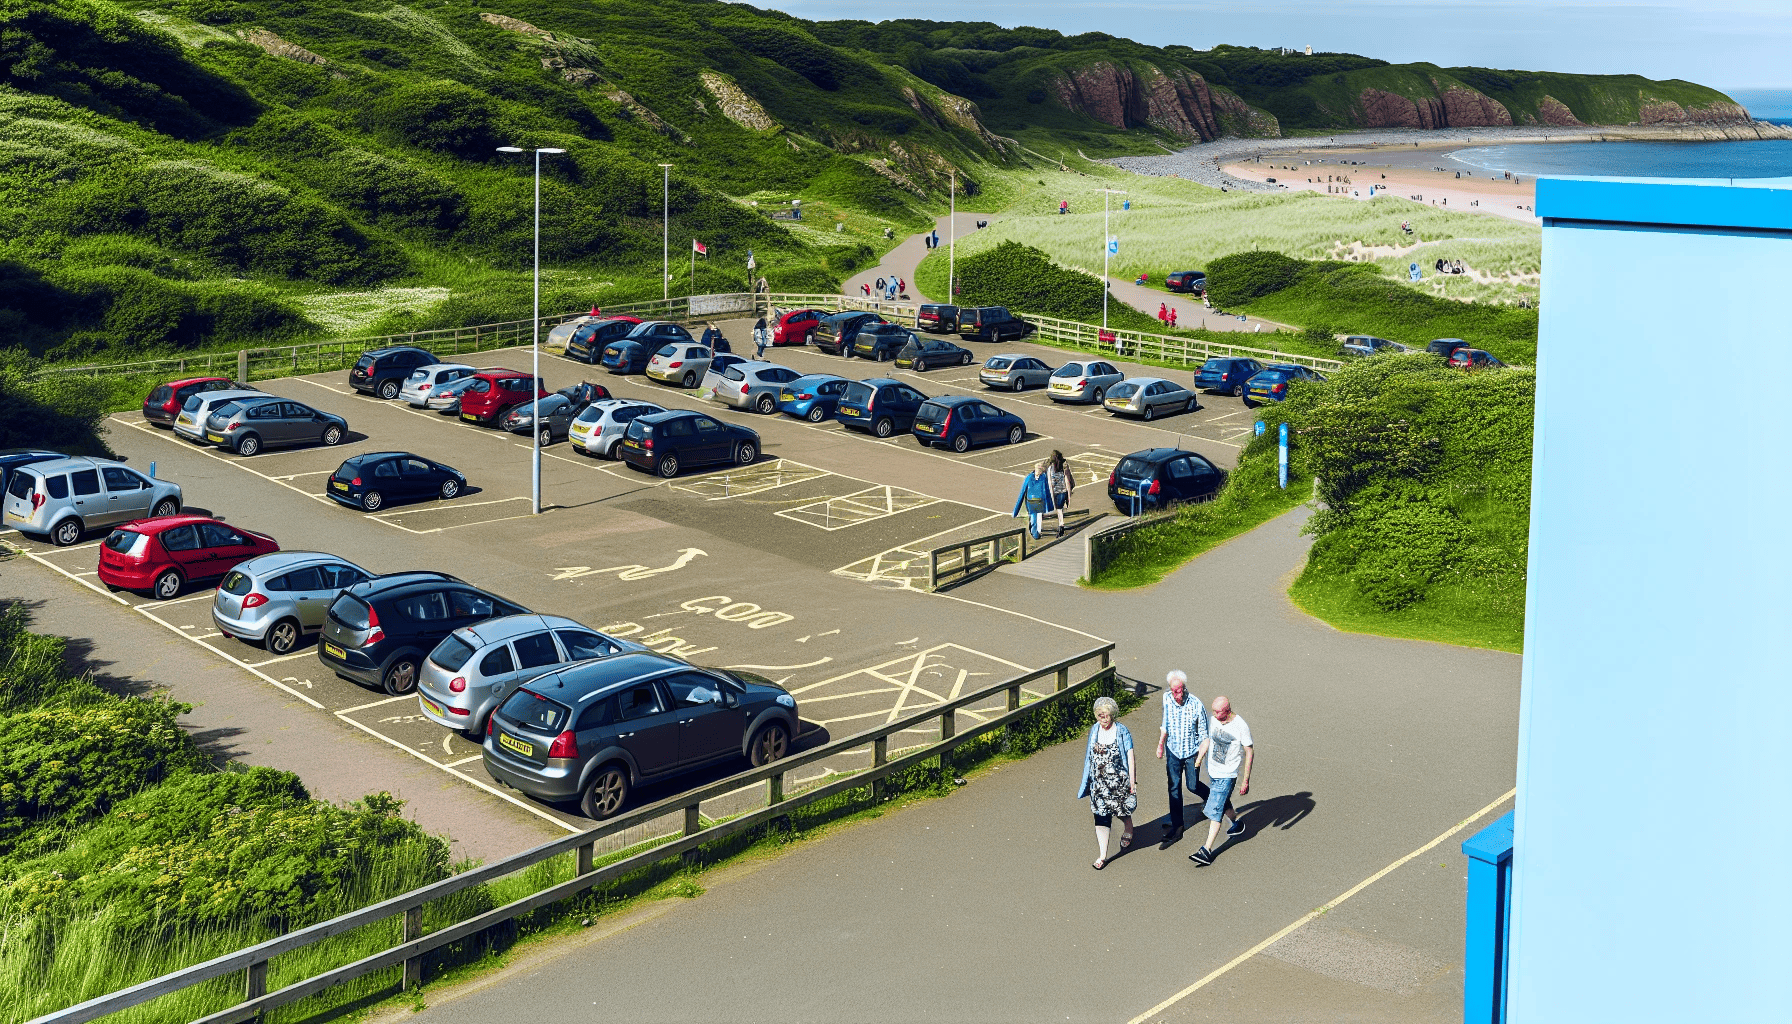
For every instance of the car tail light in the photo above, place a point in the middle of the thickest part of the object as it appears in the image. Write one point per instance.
(1113, 478)
(1225, 376)
(1279, 388)
(233, 425)
(647, 443)
(356, 482)
(564, 745)
(254, 601)
(37, 501)
(458, 684)
(1083, 383)
(373, 623)
(946, 424)
(674, 366)
(423, 387)
(743, 387)
(804, 396)
(1154, 488)
(488, 726)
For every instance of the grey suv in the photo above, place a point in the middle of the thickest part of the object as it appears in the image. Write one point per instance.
(276, 599)
(595, 730)
(475, 666)
(63, 498)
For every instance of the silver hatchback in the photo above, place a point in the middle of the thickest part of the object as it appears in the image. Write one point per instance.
(1014, 371)
(1084, 381)
(1149, 397)
(749, 385)
(475, 667)
(425, 379)
(599, 428)
(680, 364)
(63, 498)
(276, 599)
(190, 423)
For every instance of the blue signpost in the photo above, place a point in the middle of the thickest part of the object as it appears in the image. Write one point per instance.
(1282, 456)
(1261, 427)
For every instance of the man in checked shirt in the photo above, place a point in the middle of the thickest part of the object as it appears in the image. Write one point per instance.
(1179, 746)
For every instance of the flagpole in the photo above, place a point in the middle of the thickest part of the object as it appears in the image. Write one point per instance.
(693, 270)
(666, 238)
(952, 240)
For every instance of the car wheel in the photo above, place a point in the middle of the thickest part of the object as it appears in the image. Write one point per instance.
(248, 445)
(66, 532)
(1150, 413)
(746, 453)
(765, 405)
(1238, 391)
(1015, 434)
(166, 507)
(920, 366)
(964, 360)
(1100, 393)
(606, 794)
(372, 500)
(690, 379)
(961, 443)
(450, 488)
(669, 467)
(1192, 405)
(332, 436)
(283, 637)
(167, 586)
(400, 677)
(884, 427)
(546, 437)
(817, 414)
(809, 339)
(389, 390)
(769, 744)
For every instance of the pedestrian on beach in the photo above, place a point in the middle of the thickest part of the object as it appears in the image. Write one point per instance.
(1062, 484)
(761, 338)
(1110, 779)
(1036, 496)
(1229, 755)
(1179, 744)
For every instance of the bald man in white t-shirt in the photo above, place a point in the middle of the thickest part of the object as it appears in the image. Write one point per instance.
(1229, 754)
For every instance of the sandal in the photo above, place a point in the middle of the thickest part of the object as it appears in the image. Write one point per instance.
(1126, 840)
(1098, 865)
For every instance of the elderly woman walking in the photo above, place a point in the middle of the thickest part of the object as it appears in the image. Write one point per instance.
(1109, 777)
(1035, 497)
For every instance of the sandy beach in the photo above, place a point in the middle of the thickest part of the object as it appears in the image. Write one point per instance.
(1418, 174)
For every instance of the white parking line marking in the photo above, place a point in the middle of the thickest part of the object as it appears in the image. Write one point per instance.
(326, 387)
(438, 508)
(868, 505)
(295, 476)
(464, 760)
(375, 704)
(284, 657)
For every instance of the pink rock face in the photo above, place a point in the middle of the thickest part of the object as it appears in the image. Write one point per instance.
(1469, 108)
(1669, 112)
(1382, 109)
(1455, 107)
(1554, 111)
(1181, 104)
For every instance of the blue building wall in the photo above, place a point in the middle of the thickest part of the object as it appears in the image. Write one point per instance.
(1654, 812)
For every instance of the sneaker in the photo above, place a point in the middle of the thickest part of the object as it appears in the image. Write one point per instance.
(1237, 827)
(1202, 856)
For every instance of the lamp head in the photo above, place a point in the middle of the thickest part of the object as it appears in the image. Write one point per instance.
(546, 149)
(510, 149)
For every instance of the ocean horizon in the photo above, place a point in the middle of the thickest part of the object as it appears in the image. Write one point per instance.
(1767, 158)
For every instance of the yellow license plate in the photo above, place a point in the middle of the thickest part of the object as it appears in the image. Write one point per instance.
(214, 438)
(1062, 387)
(1128, 492)
(580, 430)
(334, 651)
(844, 411)
(469, 416)
(903, 364)
(509, 742)
(433, 706)
(339, 485)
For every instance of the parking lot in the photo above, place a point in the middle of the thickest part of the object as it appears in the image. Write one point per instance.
(762, 568)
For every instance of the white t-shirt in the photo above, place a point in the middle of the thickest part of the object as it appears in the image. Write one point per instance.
(1226, 755)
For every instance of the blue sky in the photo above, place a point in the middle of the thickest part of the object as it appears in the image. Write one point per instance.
(1727, 44)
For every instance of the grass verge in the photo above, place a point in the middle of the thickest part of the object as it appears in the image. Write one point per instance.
(1449, 615)
(1150, 553)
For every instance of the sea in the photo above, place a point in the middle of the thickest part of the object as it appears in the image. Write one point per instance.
(1770, 158)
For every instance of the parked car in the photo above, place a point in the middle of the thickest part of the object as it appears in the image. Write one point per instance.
(1015, 372)
(680, 364)
(598, 429)
(960, 421)
(1368, 345)
(276, 600)
(748, 385)
(190, 424)
(1187, 281)
(494, 392)
(1226, 375)
(935, 318)
(992, 323)
(1149, 397)
(879, 406)
(63, 498)
(446, 399)
(626, 356)
(558, 410)
(588, 341)
(1474, 359)
(1083, 381)
(835, 333)
(596, 730)
(656, 333)
(1446, 347)
(378, 632)
(164, 402)
(475, 667)
(163, 555)
(919, 355)
(383, 371)
(797, 327)
(248, 425)
(667, 442)
(425, 379)
(1157, 477)
(1271, 384)
(812, 397)
(372, 481)
(19, 458)
(880, 342)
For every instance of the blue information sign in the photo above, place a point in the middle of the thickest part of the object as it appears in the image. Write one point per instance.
(1283, 456)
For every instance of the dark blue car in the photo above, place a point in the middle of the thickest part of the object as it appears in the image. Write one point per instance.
(1271, 385)
(1158, 477)
(626, 356)
(960, 421)
(813, 397)
(667, 442)
(878, 405)
(1226, 375)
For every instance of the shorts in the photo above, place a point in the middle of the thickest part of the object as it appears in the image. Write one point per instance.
(1219, 794)
(1103, 820)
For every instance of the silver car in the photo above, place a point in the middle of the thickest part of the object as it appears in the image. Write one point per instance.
(425, 379)
(597, 430)
(1086, 381)
(680, 364)
(276, 599)
(190, 424)
(1149, 397)
(63, 498)
(750, 385)
(446, 399)
(563, 332)
(474, 667)
(251, 424)
(1015, 372)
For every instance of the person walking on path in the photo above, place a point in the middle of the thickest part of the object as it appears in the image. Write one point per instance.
(1036, 495)
(1110, 779)
(760, 337)
(1229, 755)
(1062, 484)
(1179, 745)
(1163, 313)
(901, 285)
(1172, 316)
(865, 288)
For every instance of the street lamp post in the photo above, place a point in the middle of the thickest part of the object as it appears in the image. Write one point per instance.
(535, 341)
(666, 237)
(951, 240)
(1107, 237)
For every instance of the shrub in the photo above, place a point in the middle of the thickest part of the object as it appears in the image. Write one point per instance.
(1024, 278)
(443, 117)
(1237, 279)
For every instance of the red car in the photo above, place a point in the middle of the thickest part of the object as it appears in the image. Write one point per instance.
(797, 326)
(494, 392)
(163, 404)
(163, 555)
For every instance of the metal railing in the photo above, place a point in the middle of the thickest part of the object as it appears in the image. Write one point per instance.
(252, 962)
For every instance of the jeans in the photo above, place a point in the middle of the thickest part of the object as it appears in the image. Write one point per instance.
(1178, 768)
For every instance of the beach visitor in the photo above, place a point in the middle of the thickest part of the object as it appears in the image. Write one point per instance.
(761, 337)
(1229, 755)
(1109, 777)
(1179, 744)
(879, 286)
(1062, 484)
(1036, 495)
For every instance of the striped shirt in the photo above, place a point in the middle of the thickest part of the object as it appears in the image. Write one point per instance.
(1185, 724)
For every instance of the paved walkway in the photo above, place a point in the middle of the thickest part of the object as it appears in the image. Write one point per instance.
(902, 260)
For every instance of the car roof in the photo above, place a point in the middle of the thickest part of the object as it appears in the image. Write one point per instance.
(67, 462)
(617, 403)
(231, 395)
(878, 382)
(1149, 380)
(162, 523)
(281, 561)
(955, 399)
(585, 681)
(184, 381)
(1283, 368)
(509, 627)
(391, 582)
(498, 371)
(366, 457)
(821, 377)
(29, 455)
(669, 415)
(1155, 455)
(446, 366)
(388, 350)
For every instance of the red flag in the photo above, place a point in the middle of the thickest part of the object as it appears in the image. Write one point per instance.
(699, 247)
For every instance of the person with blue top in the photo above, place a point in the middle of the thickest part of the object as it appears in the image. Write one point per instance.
(1181, 738)
(1036, 495)
(1109, 779)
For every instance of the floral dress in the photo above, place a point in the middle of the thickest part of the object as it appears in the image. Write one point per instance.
(1109, 792)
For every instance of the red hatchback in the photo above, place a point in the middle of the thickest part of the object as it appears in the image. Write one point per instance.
(164, 403)
(797, 327)
(494, 392)
(163, 555)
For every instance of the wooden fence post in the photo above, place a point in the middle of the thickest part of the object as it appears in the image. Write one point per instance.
(413, 965)
(587, 855)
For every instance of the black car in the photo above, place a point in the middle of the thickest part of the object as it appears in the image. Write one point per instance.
(18, 458)
(961, 421)
(1446, 347)
(881, 342)
(666, 442)
(558, 410)
(937, 319)
(920, 355)
(1156, 477)
(879, 405)
(377, 633)
(1186, 281)
(587, 343)
(372, 481)
(992, 323)
(382, 371)
(836, 332)
(634, 351)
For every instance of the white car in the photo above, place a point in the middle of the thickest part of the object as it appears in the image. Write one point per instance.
(596, 430)
(676, 363)
(425, 379)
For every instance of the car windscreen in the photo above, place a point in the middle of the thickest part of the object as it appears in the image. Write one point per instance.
(667, 350)
(591, 414)
(479, 386)
(930, 413)
(533, 711)
(451, 653)
(236, 584)
(857, 393)
(998, 362)
(22, 484)
(1216, 366)
(637, 430)
(734, 373)
(228, 409)
(419, 375)
(364, 362)
(160, 395)
(1133, 467)
(910, 349)
(1069, 370)
(350, 611)
(192, 403)
(125, 542)
(1124, 389)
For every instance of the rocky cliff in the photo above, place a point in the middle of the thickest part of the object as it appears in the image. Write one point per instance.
(1178, 101)
(1454, 106)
